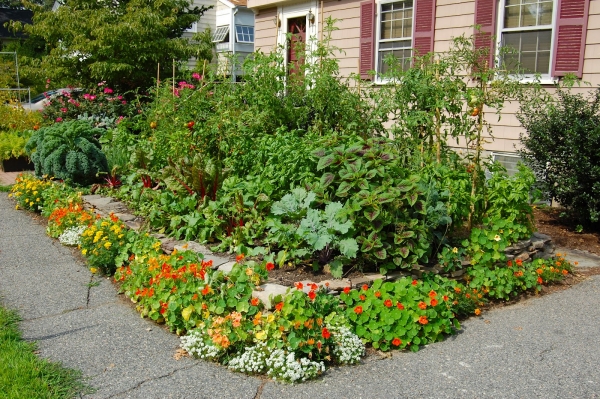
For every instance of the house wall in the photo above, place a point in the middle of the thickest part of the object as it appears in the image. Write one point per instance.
(453, 18)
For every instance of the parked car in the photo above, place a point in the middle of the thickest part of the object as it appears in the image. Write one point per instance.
(38, 102)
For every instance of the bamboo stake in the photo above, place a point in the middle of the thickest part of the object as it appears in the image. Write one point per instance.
(157, 79)
(322, 18)
(437, 117)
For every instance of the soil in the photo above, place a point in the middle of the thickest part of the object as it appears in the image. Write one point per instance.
(564, 231)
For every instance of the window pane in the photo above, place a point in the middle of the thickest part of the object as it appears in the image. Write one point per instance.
(543, 62)
(408, 26)
(511, 17)
(529, 15)
(544, 40)
(533, 51)
(545, 13)
(386, 30)
(386, 7)
(528, 62)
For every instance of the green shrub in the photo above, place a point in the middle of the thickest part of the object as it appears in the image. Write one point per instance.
(561, 146)
(68, 151)
(12, 144)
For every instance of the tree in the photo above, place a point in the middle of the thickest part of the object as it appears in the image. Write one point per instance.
(120, 42)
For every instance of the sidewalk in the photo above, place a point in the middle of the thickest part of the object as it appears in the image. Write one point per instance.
(546, 347)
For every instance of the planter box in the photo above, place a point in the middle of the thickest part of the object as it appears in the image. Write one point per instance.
(17, 164)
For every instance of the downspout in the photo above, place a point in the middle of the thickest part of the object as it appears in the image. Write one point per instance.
(232, 43)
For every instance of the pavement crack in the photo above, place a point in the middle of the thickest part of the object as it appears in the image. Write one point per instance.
(152, 379)
(90, 285)
(260, 389)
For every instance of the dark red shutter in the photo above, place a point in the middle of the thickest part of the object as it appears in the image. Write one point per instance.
(485, 17)
(424, 26)
(569, 37)
(367, 38)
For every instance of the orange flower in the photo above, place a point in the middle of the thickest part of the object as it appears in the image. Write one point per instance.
(539, 271)
(239, 258)
(365, 287)
(396, 342)
(477, 312)
(388, 303)
(422, 305)
(279, 306)
(362, 297)
(310, 341)
(299, 285)
(432, 294)
(565, 272)
(457, 290)
(195, 297)
(270, 266)
(346, 290)
(423, 320)
(206, 290)
(540, 281)
(378, 294)
(518, 274)
(254, 301)
(325, 333)
(519, 262)
(400, 306)
(414, 282)
(445, 298)
(358, 310)
(509, 263)
(433, 302)
(312, 295)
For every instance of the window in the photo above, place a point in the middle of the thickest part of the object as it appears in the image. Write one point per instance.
(244, 34)
(221, 34)
(526, 28)
(395, 22)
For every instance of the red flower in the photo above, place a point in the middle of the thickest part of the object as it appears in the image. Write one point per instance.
(313, 286)
(400, 306)
(433, 302)
(299, 285)
(270, 266)
(396, 342)
(422, 305)
(540, 281)
(423, 320)
(362, 297)
(378, 294)
(279, 306)
(432, 294)
(414, 282)
(388, 303)
(206, 290)
(509, 263)
(346, 290)
(239, 258)
(195, 297)
(365, 287)
(163, 308)
(254, 301)
(519, 262)
(445, 298)
(358, 310)
(325, 333)
(312, 295)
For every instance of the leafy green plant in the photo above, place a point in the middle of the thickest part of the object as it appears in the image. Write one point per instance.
(12, 145)
(102, 242)
(401, 314)
(560, 145)
(68, 151)
(310, 231)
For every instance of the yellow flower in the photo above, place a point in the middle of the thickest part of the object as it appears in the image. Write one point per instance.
(497, 237)
(93, 270)
(249, 272)
(84, 251)
(107, 244)
(16, 206)
(270, 318)
(261, 335)
(454, 250)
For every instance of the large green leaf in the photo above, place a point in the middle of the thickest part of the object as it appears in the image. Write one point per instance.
(326, 161)
(348, 247)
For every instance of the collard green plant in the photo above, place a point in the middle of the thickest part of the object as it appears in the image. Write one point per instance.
(68, 151)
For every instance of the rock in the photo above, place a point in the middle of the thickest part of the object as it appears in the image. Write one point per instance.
(217, 261)
(125, 217)
(226, 267)
(518, 246)
(268, 292)
(542, 236)
(458, 273)
(133, 225)
(537, 244)
(523, 256)
(336, 285)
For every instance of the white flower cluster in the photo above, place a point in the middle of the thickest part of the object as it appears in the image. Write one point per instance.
(252, 361)
(348, 347)
(194, 344)
(72, 236)
(284, 366)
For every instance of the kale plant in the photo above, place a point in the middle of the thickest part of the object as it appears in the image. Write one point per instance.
(68, 151)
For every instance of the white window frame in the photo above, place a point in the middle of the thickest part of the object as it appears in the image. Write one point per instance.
(528, 78)
(238, 35)
(378, 78)
(220, 34)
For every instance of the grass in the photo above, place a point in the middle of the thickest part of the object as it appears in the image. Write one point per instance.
(23, 375)
(5, 189)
